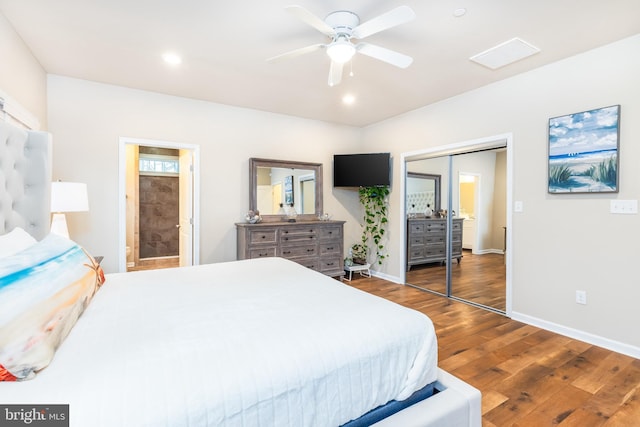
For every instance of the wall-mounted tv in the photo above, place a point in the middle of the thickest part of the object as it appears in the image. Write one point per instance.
(361, 170)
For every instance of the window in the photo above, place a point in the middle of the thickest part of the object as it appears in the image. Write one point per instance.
(158, 165)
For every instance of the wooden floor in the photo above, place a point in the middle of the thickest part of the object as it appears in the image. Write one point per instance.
(477, 278)
(527, 376)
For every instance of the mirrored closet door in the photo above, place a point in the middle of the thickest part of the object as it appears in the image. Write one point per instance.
(456, 234)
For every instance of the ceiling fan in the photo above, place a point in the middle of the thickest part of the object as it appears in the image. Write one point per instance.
(341, 27)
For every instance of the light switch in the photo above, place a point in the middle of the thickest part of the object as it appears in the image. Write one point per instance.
(623, 206)
(518, 206)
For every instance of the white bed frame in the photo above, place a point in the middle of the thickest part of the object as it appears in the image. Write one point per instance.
(25, 170)
(456, 404)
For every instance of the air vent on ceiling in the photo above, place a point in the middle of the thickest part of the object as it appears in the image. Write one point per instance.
(505, 53)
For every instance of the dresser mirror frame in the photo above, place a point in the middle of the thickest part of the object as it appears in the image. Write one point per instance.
(436, 185)
(255, 163)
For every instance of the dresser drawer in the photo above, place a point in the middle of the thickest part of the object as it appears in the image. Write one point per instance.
(416, 241)
(436, 227)
(416, 227)
(298, 235)
(311, 263)
(332, 248)
(330, 264)
(298, 251)
(416, 254)
(435, 251)
(331, 233)
(262, 252)
(434, 239)
(263, 236)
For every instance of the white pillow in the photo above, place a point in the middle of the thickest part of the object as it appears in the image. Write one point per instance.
(15, 241)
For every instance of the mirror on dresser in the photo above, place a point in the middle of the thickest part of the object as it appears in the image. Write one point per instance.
(308, 240)
(276, 182)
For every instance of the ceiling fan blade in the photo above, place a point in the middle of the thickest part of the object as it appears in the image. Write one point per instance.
(296, 52)
(394, 17)
(309, 18)
(335, 73)
(389, 56)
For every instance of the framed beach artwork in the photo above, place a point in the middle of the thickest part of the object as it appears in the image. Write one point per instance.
(584, 151)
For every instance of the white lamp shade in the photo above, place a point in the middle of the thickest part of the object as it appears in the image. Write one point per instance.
(69, 197)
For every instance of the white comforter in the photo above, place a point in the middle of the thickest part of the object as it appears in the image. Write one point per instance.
(250, 343)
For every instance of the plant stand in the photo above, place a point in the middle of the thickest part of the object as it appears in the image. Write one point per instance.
(363, 269)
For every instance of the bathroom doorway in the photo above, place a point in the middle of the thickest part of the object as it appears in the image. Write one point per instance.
(158, 221)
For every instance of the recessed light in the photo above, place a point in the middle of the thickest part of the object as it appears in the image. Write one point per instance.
(348, 99)
(171, 58)
(459, 12)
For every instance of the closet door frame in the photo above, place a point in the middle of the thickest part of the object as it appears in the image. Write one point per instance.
(487, 143)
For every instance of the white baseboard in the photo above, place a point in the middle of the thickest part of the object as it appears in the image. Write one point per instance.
(607, 343)
(488, 251)
(394, 279)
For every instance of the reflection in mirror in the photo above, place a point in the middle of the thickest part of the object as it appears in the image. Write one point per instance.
(423, 193)
(423, 186)
(276, 186)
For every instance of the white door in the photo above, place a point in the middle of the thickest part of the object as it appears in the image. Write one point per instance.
(185, 186)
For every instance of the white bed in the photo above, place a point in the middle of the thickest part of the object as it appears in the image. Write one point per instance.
(262, 342)
(251, 343)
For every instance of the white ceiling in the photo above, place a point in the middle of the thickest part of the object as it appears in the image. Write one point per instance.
(225, 44)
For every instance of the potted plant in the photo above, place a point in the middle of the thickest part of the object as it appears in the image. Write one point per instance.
(358, 254)
(375, 203)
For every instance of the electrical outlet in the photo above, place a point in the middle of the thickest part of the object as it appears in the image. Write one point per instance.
(581, 297)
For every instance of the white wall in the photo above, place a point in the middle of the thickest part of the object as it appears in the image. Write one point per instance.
(561, 243)
(87, 119)
(21, 75)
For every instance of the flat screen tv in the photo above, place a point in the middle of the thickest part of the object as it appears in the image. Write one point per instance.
(361, 170)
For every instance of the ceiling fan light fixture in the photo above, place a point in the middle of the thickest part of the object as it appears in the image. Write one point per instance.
(341, 51)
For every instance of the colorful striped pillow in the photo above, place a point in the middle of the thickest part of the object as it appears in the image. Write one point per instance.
(43, 291)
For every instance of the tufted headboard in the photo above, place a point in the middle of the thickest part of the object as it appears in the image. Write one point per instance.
(25, 180)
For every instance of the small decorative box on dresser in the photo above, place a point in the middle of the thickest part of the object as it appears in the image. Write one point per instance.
(426, 240)
(317, 245)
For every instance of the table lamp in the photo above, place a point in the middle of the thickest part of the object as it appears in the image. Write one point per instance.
(66, 197)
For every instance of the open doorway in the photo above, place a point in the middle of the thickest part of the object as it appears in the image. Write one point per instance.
(469, 187)
(158, 194)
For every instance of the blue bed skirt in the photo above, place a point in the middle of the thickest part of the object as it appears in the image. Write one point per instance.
(384, 411)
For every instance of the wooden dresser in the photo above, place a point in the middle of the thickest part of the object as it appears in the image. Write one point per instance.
(315, 244)
(426, 240)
